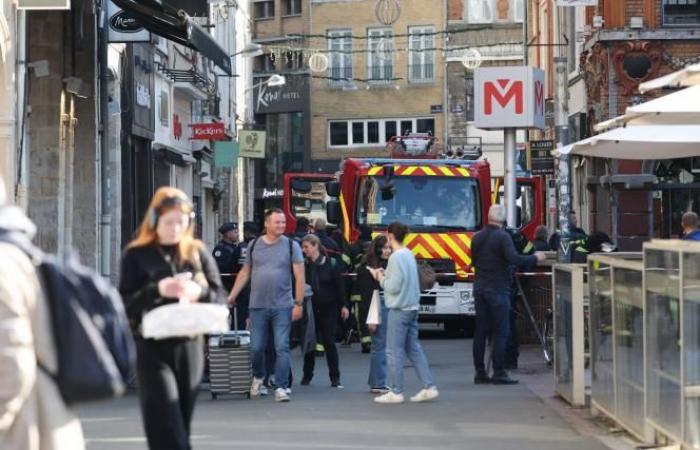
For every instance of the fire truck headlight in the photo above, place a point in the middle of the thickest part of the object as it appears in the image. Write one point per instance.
(465, 297)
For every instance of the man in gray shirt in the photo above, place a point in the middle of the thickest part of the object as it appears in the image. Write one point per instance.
(271, 262)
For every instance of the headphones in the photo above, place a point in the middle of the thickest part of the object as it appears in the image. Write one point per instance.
(154, 215)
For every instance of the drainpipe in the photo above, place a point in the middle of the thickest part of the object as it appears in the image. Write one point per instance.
(105, 192)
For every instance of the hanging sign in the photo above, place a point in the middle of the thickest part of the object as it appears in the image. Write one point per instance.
(123, 27)
(208, 131)
(226, 154)
(251, 144)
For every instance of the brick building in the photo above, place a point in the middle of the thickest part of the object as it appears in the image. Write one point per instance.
(611, 49)
(384, 78)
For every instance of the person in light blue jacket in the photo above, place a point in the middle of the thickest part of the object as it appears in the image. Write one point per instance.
(402, 297)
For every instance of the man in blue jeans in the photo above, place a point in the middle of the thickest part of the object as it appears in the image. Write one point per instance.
(494, 257)
(273, 264)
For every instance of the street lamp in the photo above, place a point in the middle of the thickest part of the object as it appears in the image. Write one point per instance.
(251, 50)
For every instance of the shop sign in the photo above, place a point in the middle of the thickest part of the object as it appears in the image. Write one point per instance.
(272, 193)
(123, 27)
(541, 159)
(208, 131)
(252, 143)
(290, 97)
(226, 154)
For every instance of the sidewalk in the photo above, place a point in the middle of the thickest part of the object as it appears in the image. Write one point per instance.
(320, 417)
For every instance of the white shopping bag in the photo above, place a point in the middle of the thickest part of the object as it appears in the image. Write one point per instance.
(185, 320)
(374, 315)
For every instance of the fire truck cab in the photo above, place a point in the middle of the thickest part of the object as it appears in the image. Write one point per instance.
(443, 201)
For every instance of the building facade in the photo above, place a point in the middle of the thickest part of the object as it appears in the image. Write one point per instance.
(385, 76)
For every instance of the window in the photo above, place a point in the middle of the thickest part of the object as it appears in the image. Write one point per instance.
(263, 63)
(310, 204)
(373, 132)
(422, 202)
(339, 133)
(380, 63)
(469, 97)
(340, 47)
(389, 130)
(264, 9)
(292, 7)
(425, 126)
(490, 11)
(164, 109)
(358, 132)
(421, 63)
(370, 132)
(681, 12)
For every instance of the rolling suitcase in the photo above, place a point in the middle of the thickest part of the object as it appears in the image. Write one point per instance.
(230, 369)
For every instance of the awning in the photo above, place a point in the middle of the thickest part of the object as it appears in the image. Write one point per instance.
(640, 142)
(678, 108)
(172, 155)
(689, 76)
(178, 27)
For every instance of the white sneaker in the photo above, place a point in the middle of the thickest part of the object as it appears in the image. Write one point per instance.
(389, 398)
(255, 387)
(425, 395)
(281, 395)
(288, 391)
(263, 390)
(379, 390)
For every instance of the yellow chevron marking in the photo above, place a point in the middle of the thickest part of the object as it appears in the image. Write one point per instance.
(464, 172)
(419, 250)
(456, 248)
(428, 171)
(435, 246)
(409, 238)
(447, 171)
(409, 170)
(374, 170)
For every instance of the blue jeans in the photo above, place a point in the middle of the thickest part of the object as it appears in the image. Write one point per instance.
(492, 310)
(402, 341)
(377, 365)
(280, 322)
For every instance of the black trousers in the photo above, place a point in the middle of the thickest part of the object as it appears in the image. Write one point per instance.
(169, 372)
(492, 309)
(326, 317)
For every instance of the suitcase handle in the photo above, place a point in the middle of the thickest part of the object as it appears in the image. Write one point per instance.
(237, 341)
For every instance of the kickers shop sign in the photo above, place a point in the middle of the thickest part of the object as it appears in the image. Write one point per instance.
(208, 131)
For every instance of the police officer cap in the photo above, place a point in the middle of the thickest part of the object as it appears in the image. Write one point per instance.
(250, 227)
(228, 226)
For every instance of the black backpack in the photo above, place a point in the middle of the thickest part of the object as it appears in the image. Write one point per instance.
(94, 345)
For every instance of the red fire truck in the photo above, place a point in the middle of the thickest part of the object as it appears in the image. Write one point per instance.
(443, 201)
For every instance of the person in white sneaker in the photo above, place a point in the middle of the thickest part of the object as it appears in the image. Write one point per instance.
(402, 297)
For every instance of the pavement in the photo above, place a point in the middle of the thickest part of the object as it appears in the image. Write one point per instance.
(465, 416)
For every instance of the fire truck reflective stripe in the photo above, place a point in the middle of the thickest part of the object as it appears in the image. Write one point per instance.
(409, 238)
(436, 247)
(447, 171)
(421, 251)
(374, 170)
(461, 251)
(346, 219)
(464, 172)
(409, 170)
(429, 171)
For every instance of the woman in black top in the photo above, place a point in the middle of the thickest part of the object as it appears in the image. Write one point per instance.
(165, 264)
(329, 299)
(376, 257)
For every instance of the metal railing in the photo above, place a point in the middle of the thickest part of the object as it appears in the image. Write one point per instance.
(421, 73)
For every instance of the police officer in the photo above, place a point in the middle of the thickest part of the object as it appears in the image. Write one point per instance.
(227, 253)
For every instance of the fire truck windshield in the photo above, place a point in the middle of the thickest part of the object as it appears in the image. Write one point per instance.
(441, 203)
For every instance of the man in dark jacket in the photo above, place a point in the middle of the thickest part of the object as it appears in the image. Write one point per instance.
(494, 257)
(322, 233)
(227, 253)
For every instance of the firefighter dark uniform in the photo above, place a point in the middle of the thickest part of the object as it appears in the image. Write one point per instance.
(524, 247)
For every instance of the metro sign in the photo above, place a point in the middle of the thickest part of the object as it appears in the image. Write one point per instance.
(509, 97)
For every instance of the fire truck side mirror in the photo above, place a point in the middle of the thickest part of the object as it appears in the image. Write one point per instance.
(301, 186)
(333, 212)
(333, 189)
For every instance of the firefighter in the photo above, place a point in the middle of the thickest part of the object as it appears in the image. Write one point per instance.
(578, 241)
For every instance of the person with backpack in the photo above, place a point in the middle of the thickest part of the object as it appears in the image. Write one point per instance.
(402, 290)
(275, 268)
(329, 300)
(376, 258)
(33, 414)
(165, 264)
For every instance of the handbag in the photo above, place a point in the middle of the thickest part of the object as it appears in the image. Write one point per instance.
(185, 320)
(374, 316)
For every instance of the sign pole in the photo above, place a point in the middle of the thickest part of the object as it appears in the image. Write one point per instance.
(509, 176)
(561, 116)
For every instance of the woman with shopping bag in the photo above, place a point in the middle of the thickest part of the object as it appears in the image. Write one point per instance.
(162, 266)
(373, 312)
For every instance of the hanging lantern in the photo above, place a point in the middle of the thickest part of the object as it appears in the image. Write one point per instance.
(387, 11)
(384, 49)
(318, 62)
(471, 59)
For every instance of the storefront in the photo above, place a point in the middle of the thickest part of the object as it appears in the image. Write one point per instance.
(283, 112)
